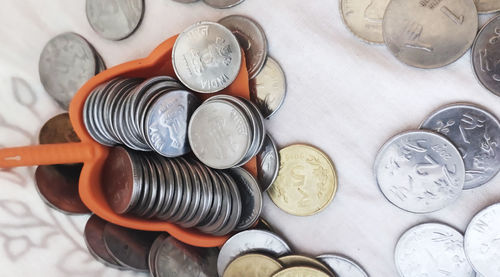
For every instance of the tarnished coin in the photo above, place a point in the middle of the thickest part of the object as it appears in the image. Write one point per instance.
(476, 134)
(301, 271)
(252, 265)
(206, 57)
(58, 130)
(114, 19)
(268, 88)
(420, 171)
(482, 241)
(364, 18)
(306, 183)
(222, 4)
(485, 54)
(298, 260)
(93, 236)
(251, 196)
(268, 162)
(487, 6)
(431, 249)
(342, 267)
(429, 34)
(252, 39)
(66, 63)
(250, 241)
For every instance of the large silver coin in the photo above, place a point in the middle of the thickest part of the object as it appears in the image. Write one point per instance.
(222, 4)
(219, 134)
(342, 267)
(485, 55)
(364, 18)
(250, 241)
(268, 163)
(482, 241)
(251, 197)
(476, 134)
(487, 6)
(432, 250)
(114, 19)
(429, 34)
(252, 39)
(420, 171)
(67, 62)
(268, 89)
(206, 57)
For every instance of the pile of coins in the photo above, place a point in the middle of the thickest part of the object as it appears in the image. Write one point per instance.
(425, 170)
(218, 4)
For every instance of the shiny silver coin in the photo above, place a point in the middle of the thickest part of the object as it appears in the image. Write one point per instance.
(430, 250)
(114, 19)
(487, 6)
(206, 57)
(268, 163)
(476, 134)
(207, 196)
(250, 241)
(219, 134)
(251, 197)
(268, 88)
(486, 53)
(420, 171)
(226, 205)
(429, 34)
(66, 63)
(482, 241)
(223, 4)
(197, 202)
(236, 207)
(216, 206)
(341, 266)
(252, 39)
(187, 193)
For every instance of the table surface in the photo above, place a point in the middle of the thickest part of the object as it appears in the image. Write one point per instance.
(344, 96)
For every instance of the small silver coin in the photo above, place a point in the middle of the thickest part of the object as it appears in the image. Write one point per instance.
(250, 241)
(206, 57)
(268, 163)
(476, 134)
(66, 63)
(420, 171)
(430, 250)
(341, 266)
(251, 197)
(114, 19)
(236, 207)
(216, 206)
(226, 206)
(187, 194)
(268, 88)
(252, 39)
(482, 241)
(223, 4)
(485, 54)
(429, 34)
(487, 6)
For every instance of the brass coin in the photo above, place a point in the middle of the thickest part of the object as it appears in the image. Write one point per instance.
(58, 130)
(298, 260)
(252, 265)
(306, 183)
(300, 271)
(364, 18)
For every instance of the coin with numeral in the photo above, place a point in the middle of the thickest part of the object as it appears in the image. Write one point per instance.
(364, 18)
(429, 34)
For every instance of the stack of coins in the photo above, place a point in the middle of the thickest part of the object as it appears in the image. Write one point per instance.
(423, 171)
(226, 131)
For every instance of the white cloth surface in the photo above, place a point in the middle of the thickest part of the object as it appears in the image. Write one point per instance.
(344, 96)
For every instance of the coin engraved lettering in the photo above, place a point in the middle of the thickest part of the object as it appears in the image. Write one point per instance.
(457, 19)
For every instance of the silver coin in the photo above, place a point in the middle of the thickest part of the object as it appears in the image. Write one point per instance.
(187, 191)
(236, 208)
(432, 249)
(268, 163)
(364, 18)
(486, 53)
(206, 57)
(219, 134)
(197, 193)
(216, 206)
(206, 196)
(476, 134)
(252, 39)
(66, 63)
(114, 19)
(250, 241)
(420, 171)
(487, 6)
(155, 247)
(186, 1)
(482, 241)
(226, 207)
(429, 34)
(251, 196)
(268, 88)
(223, 4)
(341, 266)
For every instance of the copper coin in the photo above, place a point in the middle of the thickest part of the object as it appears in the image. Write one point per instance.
(58, 130)
(58, 187)
(93, 235)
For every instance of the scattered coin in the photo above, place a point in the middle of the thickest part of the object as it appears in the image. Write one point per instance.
(299, 260)
(342, 267)
(306, 183)
(300, 271)
(429, 34)
(431, 249)
(420, 171)
(252, 265)
(223, 4)
(268, 88)
(487, 6)
(482, 241)
(93, 235)
(58, 130)
(114, 19)
(206, 57)
(268, 162)
(476, 134)
(251, 198)
(364, 18)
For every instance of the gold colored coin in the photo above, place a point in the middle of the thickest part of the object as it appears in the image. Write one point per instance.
(364, 18)
(306, 182)
(298, 260)
(252, 265)
(300, 271)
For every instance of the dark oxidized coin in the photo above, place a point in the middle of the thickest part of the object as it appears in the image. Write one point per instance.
(93, 235)
(58, 130)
